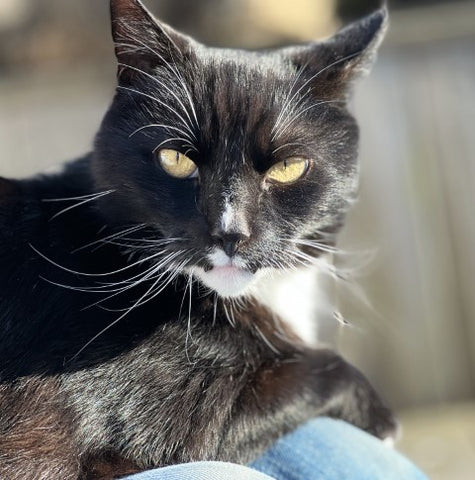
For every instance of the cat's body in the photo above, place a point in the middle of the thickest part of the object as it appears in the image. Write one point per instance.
(162, 371)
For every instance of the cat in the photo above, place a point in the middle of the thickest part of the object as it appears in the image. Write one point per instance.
(135, 327)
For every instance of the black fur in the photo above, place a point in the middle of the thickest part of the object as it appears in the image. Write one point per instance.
(96, 393)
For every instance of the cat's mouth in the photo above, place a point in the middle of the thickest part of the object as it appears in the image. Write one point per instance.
(226, 281)
(228, 277)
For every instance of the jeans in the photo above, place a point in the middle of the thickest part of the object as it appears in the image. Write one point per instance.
(322, 449)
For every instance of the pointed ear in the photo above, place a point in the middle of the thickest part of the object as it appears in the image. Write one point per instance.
(333, 64)
(141, 42)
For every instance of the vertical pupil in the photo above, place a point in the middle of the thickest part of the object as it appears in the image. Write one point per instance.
(177, 157)
(285, 164)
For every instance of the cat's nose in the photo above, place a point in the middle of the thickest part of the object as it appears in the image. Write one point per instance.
(229, 242)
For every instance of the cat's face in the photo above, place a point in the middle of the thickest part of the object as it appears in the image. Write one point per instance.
(239, 161)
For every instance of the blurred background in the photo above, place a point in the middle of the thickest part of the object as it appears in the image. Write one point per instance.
(411, 313)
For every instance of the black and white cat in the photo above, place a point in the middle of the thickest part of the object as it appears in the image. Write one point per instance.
(144, 291)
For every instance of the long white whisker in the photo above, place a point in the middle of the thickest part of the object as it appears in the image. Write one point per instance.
(105, 289)
(110, 287)
(169, 274)
(298, 114)
(82, 197)
(172, 68)
(115, 322)
(155, 242)
(165, 105)
(324, 69)
(285, 145)
(114, 235)
(175, 139)
(287, 98)
(215, 308)
(266, 340)
(157, 80)
(230, 319)
(317, 245)
(162, 125)
(276, 128)
(90, 199)
(94, 274)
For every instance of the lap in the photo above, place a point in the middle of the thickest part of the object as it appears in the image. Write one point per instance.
(322, 449)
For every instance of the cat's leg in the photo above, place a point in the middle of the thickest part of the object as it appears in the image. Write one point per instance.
(282, 396)
(174, 410)
(35, 433)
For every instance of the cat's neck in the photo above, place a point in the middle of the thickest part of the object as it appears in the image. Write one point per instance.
(299, 298)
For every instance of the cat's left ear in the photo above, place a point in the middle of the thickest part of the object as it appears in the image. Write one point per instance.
(141, 42)
(331, 66)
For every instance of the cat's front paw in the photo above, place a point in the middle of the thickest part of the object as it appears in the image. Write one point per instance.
(348, 395)
(370, 413)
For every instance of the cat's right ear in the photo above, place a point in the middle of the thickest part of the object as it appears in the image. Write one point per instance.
(142, 44)
(331, 66)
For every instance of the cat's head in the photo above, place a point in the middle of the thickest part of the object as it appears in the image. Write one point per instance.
(237, 161)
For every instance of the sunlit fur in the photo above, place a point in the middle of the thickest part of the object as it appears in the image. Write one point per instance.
(235, 114)
(137, 323)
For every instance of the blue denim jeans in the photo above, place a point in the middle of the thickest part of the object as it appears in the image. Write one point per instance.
(322, 449)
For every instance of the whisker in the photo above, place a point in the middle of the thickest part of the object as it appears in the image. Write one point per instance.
(287, 97)
(299, 113)
(165, 105)
(114, 235)
(324, 69)
(285, 145)
(167, 277)
(115, 322)
(156, 241)
(277, 127)
(170, 274)
(229, 318)
(172, 68)
(215, 308)
(266, 340)
(316, 245)
(94, 274)
(82, 202)
(106, 288)
(175, 139)
(163, 85)
(82, 197)
(161, 125)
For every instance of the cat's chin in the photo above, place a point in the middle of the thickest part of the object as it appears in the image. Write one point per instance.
(228, 281)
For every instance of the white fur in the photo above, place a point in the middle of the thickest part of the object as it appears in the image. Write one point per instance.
(228, 278)
(227, 218)
(294, 297)
(233, 219)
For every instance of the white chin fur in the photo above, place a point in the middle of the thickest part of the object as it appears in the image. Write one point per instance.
(226, 281)
(297, 297)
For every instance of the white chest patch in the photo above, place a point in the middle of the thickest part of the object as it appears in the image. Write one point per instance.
(297, 298)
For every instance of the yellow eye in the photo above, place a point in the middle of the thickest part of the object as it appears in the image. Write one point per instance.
(176, 164)
(287, 171)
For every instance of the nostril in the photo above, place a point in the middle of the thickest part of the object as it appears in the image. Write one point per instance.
(230, 242)
(230, 246)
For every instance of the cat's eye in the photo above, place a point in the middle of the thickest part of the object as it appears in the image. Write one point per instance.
(177, 164)
(288, 170)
